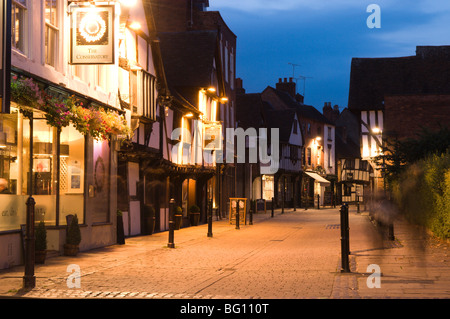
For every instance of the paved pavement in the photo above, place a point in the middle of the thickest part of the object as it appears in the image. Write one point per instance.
(295, 255)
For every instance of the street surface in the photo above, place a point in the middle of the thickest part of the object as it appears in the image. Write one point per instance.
(295, 255)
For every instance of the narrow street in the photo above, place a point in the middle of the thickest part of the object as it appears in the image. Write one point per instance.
(294, 255)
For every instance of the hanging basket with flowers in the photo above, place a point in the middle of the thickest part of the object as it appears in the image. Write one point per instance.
(60, 112)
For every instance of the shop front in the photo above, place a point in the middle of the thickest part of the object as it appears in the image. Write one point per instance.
(65, 171)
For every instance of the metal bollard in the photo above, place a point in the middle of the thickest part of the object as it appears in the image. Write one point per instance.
(29, 279)
(251, 214)
(210, 217)
(273, 205)
(237, 215)
(171, 243)
(345, 244)
(318, 201)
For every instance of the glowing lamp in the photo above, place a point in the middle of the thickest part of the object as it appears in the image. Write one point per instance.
(135, 25)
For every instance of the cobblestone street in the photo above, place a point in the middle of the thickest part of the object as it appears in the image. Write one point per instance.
(294, 255)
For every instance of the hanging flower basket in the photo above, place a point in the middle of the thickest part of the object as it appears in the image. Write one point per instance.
(98, 123)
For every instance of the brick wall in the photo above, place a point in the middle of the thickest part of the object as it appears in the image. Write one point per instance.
(406, 114)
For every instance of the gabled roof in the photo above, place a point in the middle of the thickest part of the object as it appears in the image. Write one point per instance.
(428, 72)
(303, 110)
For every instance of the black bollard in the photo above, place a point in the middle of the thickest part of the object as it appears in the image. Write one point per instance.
(29, 279)
(318, 201)
(345, 245)
(273, 206)
(251, 214)
(237, 215)
(210, 217)
(171, 243)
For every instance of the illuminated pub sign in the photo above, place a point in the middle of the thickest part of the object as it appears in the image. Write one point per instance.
(213, 136)
(5, 54)
(92, 35)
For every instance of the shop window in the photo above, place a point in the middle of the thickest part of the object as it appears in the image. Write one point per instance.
(15, 171)
(308, 155)
(19, 25)
(347, 190)
(268, 187)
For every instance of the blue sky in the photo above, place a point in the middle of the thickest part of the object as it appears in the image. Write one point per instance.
(322, 36)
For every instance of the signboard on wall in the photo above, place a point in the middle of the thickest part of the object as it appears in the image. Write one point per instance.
(92, 35)
(5, 55)
(213, 136)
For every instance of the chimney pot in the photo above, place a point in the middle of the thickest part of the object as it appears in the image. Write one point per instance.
(285, 79)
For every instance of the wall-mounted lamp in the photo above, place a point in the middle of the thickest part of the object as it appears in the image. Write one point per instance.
(376, 130)
(135, 25)
(223, 99)
(212, 89)
(189, 114)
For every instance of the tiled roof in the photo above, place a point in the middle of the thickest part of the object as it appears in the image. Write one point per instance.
(428, 72)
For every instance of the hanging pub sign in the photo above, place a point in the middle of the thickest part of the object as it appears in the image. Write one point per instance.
(5, 55)
(92, 35)
(212, 136)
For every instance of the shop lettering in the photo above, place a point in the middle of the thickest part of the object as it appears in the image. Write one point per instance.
(91, 56)
(11, 212)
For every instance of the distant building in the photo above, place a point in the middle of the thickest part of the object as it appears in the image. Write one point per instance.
(396, 97)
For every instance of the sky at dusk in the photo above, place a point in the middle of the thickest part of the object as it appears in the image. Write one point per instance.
(322, 36)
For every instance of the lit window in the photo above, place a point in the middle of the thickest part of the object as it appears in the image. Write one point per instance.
(51, 31)
(18, 24)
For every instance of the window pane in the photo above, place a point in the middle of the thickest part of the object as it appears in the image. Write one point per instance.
(12, 203)
(50, 12)
(18, 28)
(50, 45)
(71, 174)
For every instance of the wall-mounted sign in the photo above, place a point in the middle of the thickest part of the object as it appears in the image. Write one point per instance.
(213, 136)
(5, 55)
(92, 35)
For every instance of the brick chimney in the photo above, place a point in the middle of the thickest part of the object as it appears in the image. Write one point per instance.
(286, 86)
(330, 113)
(239, 86)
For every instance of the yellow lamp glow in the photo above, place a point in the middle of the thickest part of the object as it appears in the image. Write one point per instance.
(135, 25)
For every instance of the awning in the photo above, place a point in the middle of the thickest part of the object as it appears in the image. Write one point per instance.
(318, 178)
